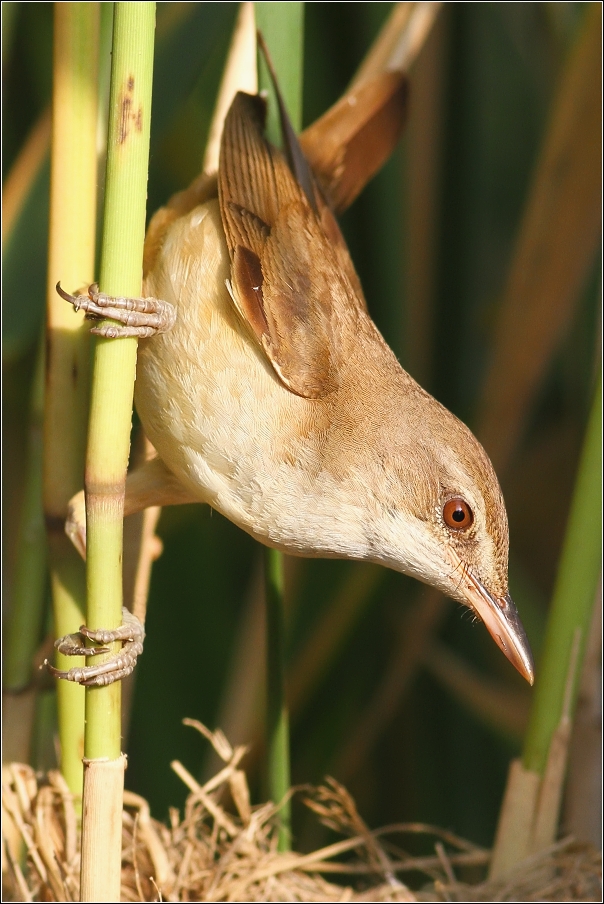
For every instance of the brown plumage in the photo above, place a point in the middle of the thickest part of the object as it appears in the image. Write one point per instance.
(275, 399)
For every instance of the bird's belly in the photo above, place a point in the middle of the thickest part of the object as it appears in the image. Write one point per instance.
(204, 395)
(217, 414)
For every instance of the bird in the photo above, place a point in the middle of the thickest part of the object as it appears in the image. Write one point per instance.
(269, 393)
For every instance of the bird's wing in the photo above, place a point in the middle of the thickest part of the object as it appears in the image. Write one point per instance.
(293, 281)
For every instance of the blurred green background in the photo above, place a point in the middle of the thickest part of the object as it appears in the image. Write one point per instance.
(394, 692)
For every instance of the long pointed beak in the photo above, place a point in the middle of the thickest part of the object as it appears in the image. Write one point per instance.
(503, 624)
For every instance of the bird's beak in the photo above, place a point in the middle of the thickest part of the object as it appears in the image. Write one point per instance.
(503, 624)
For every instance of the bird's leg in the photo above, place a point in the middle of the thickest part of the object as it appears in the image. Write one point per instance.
(148, 485)
(139, 317)
(130, 632)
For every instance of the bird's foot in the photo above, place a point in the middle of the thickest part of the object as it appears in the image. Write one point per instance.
(130, 632)
(139, 317)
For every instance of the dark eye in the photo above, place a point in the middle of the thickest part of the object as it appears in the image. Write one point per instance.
(458, 514)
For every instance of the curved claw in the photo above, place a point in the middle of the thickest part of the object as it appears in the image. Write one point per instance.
(118, 666)
(75, 300)
(114, 669)
(65, 295)
(140, 317)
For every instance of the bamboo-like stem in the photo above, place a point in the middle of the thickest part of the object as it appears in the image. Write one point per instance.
(109, 432)
(529, 813)
(115, 360)
(141, 548)
(282, 26)
(71, 260)
(573, 600)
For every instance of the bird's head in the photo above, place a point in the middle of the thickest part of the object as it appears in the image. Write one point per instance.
(444, 518)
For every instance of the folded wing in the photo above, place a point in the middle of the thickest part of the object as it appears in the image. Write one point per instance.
(292, 279)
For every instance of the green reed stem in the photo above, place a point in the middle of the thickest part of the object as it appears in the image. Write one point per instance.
(115, 360)
(109, 433)
(71, 260)
(574, 595)
(282, 26)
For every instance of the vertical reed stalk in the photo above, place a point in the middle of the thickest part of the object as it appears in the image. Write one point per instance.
(282, 26)
(71, 260)
(109, 433)
(573, 600)
(276, 703)
(529, 814)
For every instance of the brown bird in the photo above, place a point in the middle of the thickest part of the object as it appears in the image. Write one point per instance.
(270, 394)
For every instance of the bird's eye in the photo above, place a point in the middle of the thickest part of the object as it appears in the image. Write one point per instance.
(457, 514)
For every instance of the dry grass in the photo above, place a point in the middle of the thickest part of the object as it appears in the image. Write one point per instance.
(222, 849)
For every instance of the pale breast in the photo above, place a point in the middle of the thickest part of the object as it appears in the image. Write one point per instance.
(207, 399)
